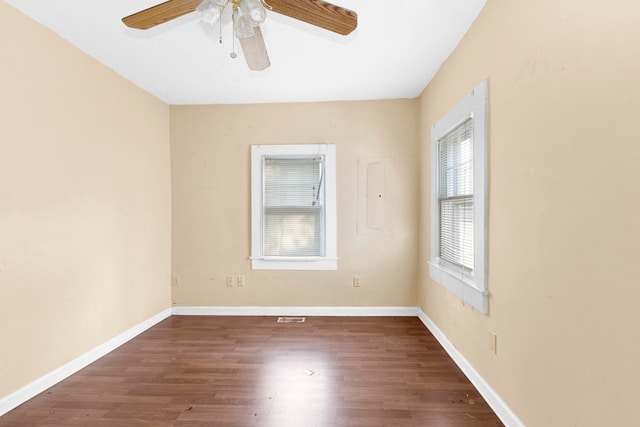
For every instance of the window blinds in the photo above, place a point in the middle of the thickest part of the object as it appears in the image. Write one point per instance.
(293, 207)
(456, 196)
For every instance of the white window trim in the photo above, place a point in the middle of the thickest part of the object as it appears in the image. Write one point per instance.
(330, 260)
(472, 289)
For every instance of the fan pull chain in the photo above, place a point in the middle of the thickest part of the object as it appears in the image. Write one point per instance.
(233, 41)
(220, 22)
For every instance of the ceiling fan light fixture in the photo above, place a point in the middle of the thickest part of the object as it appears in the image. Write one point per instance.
(247, 17)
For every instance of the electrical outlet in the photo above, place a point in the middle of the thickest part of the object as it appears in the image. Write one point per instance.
(229, 281)
(356, 281)
(175, 281)
(240, 281)
(493, 342)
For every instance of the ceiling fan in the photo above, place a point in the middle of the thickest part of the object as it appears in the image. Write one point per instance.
(247, 17)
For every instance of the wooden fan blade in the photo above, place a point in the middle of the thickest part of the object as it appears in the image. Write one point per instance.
(255, 51)
(319, 13)
(160, 13)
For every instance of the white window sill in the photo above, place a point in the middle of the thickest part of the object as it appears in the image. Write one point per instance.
(463, 287)
(294, 263)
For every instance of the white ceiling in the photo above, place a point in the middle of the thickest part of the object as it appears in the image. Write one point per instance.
(395, 51)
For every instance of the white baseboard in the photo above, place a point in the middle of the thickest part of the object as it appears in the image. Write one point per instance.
(20, 396)
(506, 415)
(296, 311)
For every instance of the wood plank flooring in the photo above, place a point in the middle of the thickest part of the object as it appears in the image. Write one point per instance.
(253, 371)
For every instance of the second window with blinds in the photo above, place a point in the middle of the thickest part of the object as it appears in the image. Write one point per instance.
(293, 207)
(459, 200)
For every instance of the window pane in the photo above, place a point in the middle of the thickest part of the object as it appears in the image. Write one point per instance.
(292, 232)
(456, 161)
(292, 182)
(456, 195)
(456, 231)
(293, 207)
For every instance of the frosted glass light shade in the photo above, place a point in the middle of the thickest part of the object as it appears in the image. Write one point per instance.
(253, 12)
(210, 12)
(241, 26)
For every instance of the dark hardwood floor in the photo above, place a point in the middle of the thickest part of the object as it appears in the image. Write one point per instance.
(253, 371)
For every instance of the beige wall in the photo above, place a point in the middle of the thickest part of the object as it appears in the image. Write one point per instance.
(210, 157)
(85, 202)
(564, 102)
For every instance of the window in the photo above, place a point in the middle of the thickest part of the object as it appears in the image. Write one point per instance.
(293, 207)
(458, 200)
